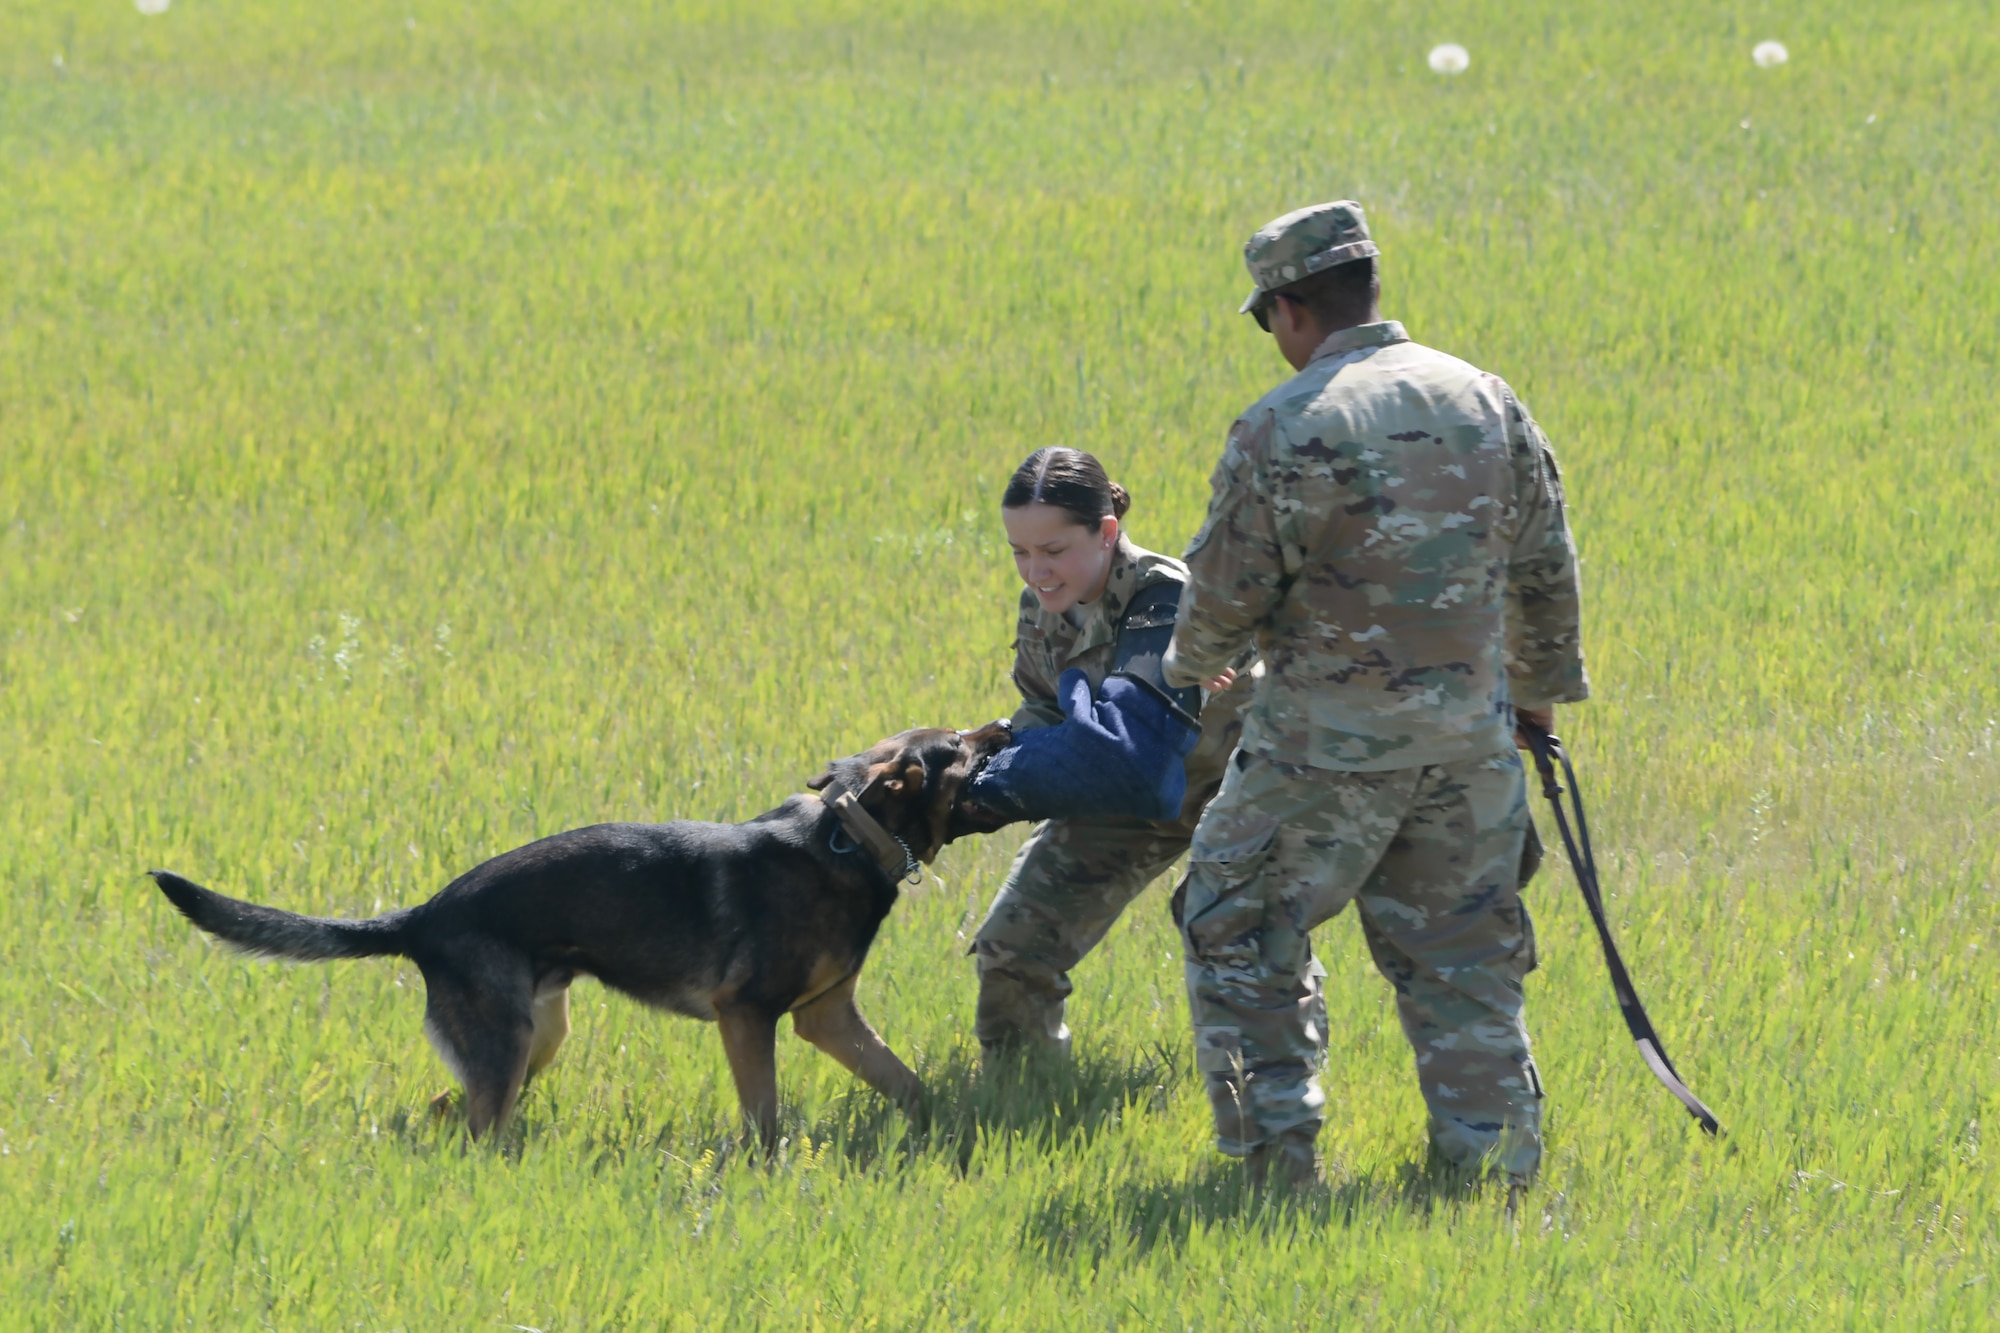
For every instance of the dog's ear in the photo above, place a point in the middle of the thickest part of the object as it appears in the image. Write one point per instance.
(897, 776)
(888, 776)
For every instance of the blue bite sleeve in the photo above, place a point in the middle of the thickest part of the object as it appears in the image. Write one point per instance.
(1117, 752)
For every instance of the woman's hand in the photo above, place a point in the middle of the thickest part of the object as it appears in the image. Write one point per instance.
(1221, 682)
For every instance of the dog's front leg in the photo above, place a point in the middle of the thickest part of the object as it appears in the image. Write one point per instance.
(833, 1023)
(750, 1038)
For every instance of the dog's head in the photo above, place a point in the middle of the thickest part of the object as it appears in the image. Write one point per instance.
(914, 782)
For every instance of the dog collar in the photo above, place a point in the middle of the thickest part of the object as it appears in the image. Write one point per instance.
(888, 851)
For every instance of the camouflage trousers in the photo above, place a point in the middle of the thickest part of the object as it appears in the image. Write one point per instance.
(1069, 883)
(1435, 856)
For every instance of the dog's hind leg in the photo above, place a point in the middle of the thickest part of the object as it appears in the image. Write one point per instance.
(551, 1019)
(750, 1039)
(833, 1023)
(479, 1014)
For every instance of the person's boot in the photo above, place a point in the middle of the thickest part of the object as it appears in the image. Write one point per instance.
(1286, 1164)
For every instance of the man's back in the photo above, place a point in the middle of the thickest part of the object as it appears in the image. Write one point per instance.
(1389, 523)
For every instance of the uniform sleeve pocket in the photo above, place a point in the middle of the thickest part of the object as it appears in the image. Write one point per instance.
(1201, 537)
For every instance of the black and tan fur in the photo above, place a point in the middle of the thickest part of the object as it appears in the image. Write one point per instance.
(735, 923)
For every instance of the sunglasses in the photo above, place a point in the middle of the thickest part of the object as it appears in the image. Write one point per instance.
(1261, 312)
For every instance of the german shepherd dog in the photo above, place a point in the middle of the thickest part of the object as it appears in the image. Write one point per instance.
(739, 924)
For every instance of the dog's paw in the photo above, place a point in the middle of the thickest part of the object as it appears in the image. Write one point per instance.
(441, 1105)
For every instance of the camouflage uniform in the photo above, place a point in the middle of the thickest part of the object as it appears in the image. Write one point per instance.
(1387, 528)
(1073, 877)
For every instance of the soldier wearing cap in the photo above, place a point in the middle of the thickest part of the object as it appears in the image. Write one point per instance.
(1387, 529)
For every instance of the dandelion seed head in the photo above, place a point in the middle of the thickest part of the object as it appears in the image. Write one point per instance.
(151, 7)
(1768, 55)
(1449, 58)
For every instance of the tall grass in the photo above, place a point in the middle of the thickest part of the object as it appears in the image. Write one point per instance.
(425, 427)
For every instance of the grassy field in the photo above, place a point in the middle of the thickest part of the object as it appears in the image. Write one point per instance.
(428, 426)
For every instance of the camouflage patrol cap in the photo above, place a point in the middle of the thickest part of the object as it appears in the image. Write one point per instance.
(1302, 243)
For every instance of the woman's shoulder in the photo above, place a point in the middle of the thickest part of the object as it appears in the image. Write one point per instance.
(1150, 567)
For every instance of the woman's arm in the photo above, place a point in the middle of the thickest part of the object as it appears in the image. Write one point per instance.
(1038, 693)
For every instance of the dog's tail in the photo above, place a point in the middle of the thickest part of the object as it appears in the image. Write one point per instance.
(278, 934)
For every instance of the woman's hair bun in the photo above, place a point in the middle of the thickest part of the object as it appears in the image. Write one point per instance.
(1121, 499)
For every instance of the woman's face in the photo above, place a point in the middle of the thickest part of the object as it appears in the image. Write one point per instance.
(1061, 559)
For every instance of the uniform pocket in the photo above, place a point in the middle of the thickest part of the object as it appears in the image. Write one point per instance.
(1532, 853)
(1236, 841)
(1225, 905)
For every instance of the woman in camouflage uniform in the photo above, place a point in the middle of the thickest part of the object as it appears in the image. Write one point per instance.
(1093, 601)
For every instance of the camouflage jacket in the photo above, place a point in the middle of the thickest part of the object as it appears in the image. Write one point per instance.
(1047, 643)
(1387, 527)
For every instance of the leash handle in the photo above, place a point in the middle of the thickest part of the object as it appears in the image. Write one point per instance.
(1547, 749)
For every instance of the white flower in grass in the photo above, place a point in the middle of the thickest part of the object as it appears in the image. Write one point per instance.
(1768, 55)
(151, 7)
(1449, 58)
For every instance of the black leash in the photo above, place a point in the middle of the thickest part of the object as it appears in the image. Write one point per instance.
(1547, 749)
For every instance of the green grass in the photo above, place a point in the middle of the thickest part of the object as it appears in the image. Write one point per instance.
(424, 427)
